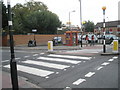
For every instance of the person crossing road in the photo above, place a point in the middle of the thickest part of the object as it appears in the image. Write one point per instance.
(92, 40)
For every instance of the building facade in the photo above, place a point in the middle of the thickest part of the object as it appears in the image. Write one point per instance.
(111, 27)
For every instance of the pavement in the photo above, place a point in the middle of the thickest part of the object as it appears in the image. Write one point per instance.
(23, 83)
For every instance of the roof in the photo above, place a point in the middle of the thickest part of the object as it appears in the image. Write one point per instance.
(72, 31)
(108, 24)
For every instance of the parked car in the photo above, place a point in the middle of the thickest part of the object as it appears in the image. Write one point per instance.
(110, 37)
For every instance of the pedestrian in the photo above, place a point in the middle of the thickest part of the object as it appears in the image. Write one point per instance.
(92, 40)
(86, 39)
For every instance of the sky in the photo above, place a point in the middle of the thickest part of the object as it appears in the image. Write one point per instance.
(91, 9)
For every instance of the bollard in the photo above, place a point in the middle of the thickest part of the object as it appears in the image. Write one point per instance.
(50, 45)
(115, 46)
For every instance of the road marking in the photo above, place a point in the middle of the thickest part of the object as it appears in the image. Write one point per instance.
(35, 55)
(105, 63)
(26, 56)
(33, 71)
(86, 51)
(9, 60)
(99, 68)
(115, 57)
(111, 60)
(67, 87)
(73, 57)
(79, 81)
(42, 53)
(51, 65)
(65, 69)
(73, 66)
(46, 77)
(90, 74)
(17, 58)
(57, 72)
(59, 60)
(5, 61)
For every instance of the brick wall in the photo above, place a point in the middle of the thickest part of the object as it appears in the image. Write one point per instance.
(4, 41)
(23, 39)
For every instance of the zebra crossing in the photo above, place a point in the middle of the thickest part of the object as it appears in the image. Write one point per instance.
(53, 61)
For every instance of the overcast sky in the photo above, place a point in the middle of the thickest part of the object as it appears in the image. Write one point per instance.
(91, 9)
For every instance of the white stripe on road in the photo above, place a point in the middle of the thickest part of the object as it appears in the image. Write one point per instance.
(56, 66)
(30, 70)
(5, 61)
(17, 58)
(9, 60)
(111, 60)
(59, 60)
(35, 55)
(105, 63)
(26, 56)
(79, 81)
(90, 74)
(73, 57)
(99, 68)
(115, 57)
(42, 53)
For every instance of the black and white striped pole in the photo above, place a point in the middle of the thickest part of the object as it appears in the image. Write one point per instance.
(13, 66)
(104, 44)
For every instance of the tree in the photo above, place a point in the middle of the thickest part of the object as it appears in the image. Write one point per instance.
(45, 22)
(4, 16)
(34, 15)
(89, 26)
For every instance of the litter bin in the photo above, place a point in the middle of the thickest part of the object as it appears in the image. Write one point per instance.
(31, 43)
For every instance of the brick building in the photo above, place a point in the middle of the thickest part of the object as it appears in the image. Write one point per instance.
(112, 27)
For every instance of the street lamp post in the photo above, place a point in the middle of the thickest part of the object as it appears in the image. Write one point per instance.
(34, 31)
(81, 20)
(69, 19)
(104, 46)
(13, 66)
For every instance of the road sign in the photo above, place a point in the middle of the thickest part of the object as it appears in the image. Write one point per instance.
(34, 30)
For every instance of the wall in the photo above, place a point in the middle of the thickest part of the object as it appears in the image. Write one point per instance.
(23, 39)
(4, 41)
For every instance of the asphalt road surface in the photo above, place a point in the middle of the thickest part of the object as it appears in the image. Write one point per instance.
(65, 71)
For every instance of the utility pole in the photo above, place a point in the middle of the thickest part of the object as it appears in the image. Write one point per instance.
(13, 66)
(104, 44)
(81, 20)
(69, 19)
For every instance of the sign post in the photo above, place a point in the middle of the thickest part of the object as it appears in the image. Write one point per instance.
(50, 45)
(115, 46)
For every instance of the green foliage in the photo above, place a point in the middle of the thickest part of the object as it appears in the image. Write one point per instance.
(89, 26)
(34, 15)
(4, 16)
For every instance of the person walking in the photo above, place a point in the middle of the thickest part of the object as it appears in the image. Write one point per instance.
(92, 40)
(86, 39)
